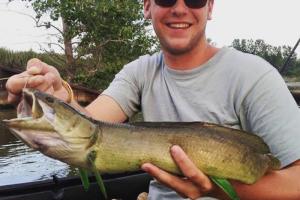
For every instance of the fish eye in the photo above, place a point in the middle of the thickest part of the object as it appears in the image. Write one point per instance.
(49, 99)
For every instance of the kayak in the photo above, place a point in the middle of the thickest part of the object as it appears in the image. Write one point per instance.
(121, 186)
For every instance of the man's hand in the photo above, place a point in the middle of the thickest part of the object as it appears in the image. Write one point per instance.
(195, 184)
(38, 75)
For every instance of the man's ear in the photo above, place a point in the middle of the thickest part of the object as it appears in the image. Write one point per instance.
(147, 12)
(210, 9)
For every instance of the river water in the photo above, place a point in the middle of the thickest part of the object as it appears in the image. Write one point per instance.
(21, 164)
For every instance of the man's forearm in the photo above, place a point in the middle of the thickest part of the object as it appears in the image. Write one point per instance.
(275, 185)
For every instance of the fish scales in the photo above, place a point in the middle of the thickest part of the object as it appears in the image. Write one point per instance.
(214, 155)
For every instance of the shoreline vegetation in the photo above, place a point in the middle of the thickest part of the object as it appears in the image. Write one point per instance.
(102, 76)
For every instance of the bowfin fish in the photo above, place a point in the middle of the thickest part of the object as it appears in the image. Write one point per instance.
(61, 132)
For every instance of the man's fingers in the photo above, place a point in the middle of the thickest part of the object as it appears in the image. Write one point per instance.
(52, 76)
(16, 83)
(190, 170)
(38, 75)
(183, 187)
(54, 80)
(41, 83)
(45, 87)
(35, 81)
(34, 70)
(37, 67)
(38, 82)
(159, 174)
(11, 98)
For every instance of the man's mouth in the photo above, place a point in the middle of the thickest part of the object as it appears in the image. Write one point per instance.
(178, 25)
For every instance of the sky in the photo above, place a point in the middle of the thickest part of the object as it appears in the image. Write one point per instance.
(18, 30)
(275, 21)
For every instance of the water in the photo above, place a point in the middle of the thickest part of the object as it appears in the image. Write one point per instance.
(21, 164)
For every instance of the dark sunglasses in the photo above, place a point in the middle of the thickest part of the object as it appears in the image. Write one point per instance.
(189, 3)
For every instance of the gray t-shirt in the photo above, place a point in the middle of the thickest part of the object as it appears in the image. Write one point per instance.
(232, 88)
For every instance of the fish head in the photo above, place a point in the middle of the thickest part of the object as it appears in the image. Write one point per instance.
(54, 128)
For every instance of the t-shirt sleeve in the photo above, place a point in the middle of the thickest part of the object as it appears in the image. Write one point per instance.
(270, 111)
(125, 89)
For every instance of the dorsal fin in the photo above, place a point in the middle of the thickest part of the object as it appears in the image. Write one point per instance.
(168, 124)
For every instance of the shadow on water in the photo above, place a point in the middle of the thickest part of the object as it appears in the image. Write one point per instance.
(5, 136)
(21, 164)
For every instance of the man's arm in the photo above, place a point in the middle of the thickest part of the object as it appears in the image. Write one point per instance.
(107, 109)
(281, 184)
(275, 185)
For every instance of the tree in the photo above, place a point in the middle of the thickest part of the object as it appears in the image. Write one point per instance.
(96, 33)
(275, 55)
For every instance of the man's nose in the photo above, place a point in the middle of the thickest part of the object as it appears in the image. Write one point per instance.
(179, 8)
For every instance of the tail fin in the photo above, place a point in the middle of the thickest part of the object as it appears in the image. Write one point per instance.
(274, 162)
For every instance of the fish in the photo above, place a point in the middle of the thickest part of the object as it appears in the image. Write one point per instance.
(60, 131)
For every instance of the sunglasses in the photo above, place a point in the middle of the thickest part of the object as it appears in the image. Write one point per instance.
(189, 3)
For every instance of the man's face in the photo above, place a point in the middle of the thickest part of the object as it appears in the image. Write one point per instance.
(179, 28)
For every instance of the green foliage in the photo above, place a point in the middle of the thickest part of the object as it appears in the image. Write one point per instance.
(19, 59)
(99, 79)
(275, 55)
(107, 33)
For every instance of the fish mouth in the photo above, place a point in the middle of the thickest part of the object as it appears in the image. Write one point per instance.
(52, 127)
(34, 120)
(33, 107)
(29, 108)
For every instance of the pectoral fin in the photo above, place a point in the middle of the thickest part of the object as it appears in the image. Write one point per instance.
(84, 179)
(100, 183)
(226, 186)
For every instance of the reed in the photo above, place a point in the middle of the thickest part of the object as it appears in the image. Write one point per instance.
(18, 59)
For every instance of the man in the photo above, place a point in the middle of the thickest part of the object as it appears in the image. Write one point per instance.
(193, 81)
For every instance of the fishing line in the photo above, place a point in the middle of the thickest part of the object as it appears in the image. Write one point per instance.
(26, 81)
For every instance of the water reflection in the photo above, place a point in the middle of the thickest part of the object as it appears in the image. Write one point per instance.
(5, 136)
(20, 164)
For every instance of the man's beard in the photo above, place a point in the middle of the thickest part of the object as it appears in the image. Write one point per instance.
(166, 46)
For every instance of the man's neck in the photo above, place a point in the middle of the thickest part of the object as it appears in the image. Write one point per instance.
(191, 59)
